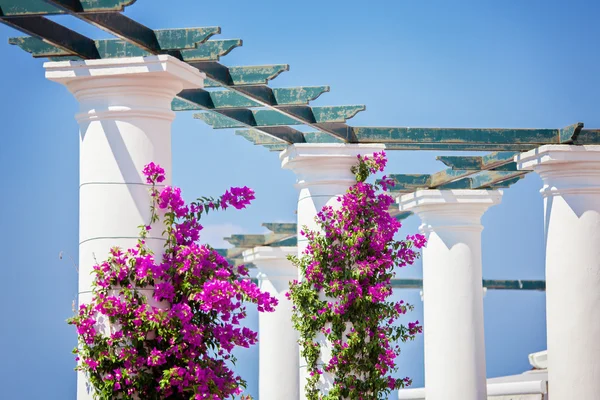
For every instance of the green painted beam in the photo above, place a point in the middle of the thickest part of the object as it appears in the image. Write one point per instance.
(211, 50)
(55, 34)
(240, 117)
(462, 162)
(218, 75)
(452, 179)
(259, 138)
(289, 228)
(507, 183)
(298, 95)
(485, 179)
(273, 144)
(456, 146)
(490, 284)
(112, 48)
(230, 99)
(243, 80)
(459, 136)
(132, 31)
(27, 8)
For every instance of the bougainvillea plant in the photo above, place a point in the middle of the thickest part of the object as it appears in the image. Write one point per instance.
(341, 302)
(178, 343)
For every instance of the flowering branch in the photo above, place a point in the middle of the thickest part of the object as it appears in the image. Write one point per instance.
(342, 299)
(165, 327)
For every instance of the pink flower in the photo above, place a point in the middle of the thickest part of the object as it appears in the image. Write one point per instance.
(238, 197)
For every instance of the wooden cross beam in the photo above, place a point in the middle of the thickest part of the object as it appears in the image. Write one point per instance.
(30, 8)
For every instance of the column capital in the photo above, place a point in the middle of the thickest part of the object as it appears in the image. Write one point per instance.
(272, 262)
(149, 67)
(325, 163)
(449, 209)
(565, 169)
(132, 87)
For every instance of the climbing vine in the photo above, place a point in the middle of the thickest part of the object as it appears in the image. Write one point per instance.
(164, 327)
(341, 308)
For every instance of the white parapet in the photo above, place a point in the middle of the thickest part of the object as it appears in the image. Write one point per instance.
(452, 290)
(323, 174)
(278, 341)
(124, 123)
(571, 192)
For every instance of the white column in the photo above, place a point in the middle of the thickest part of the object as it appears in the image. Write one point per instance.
(571, 192)
(323, 174)
(278, 341)
(124, 123)
(452, 290)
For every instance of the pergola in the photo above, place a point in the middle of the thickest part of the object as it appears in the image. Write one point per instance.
(129, 87)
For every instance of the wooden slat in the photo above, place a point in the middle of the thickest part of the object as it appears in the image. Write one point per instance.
(289, 228)
(219, 75)
(107, 48)
(28, 8)
(211, 50)
(237, 118)
(490, 284)
(457, 136)
(486, 179)
(56, 35)
(230, 99)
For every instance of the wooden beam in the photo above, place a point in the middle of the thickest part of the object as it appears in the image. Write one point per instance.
(230, 99)
(457, 136)
(490, 284)
(107, 48)
(289, 228)
(238, 118)
(28, 8)
(211, 50)
(56, 35)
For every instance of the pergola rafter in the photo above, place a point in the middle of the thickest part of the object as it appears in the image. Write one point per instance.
(284, 234)
(283, 108)
(240, 96)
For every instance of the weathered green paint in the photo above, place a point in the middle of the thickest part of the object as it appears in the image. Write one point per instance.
(258, 137)
(116, 48)
(37, 47)
(211, 50)
(193, 99)
(254, 240)
(244, 75)
(336, 113)
(507, 183)
(497, 159)
(219, 121)
(298, 95)
(239, 118)
(186, 38)
(461, 162)
(446, 176)
(455, 146)
(570, 133)
(254, 75)
(587, 136)
(289, 228)
(321, 137)
(452, 179)
(59, 36)
(487, 178)
(497, 284)
(405, 182)
(456, 135)
(490, 284)
(39, 7)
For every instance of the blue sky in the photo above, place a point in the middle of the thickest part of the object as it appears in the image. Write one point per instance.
(465, 64)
